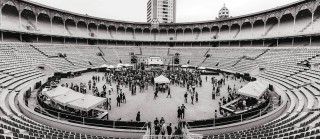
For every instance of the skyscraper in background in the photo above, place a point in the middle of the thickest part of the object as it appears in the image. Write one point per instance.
(162, 10)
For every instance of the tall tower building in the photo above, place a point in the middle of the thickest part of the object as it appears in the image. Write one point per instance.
(162, 10)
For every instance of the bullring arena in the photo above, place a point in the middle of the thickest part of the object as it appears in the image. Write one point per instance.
(74, 76)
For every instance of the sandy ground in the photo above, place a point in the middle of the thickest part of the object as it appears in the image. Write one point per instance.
(162, 106)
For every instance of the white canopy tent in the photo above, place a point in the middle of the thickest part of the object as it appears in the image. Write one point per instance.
(253, 89)
(161, 79)
(56, 92)
(68, 97)
(128, 65)
(87, 102)
(184, 66)
(104, 66)
(111, 67)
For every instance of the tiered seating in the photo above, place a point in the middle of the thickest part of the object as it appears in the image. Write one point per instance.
(19, 66)
(123, 53)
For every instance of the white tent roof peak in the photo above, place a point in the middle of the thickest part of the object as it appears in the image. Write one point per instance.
(253, 89)
(161, 79)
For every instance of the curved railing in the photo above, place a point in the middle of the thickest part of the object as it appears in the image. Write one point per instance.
(255, 112)
(56, 119)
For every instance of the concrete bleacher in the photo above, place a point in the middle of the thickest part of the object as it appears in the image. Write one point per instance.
(301, 83)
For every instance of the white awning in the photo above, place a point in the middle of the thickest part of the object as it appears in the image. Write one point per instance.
(87, 102)
(68, 97)
(104, 66)
(184, 66)
(253, 89)
(56, 92)
(202, 68)
(111, 67)
(161, 79)
(128, 65)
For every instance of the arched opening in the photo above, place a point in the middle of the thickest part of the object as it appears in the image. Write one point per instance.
(245, 30)
(286, 24)
(71, 26)
(92, 28)
(10, 16)
(154, 33)
(188, 35)
(234, 31)
(82, 29)
(258, 28)
(303, 21)
(57, 25)
(316, 21)
(205, 35)
(163, 35)
(111, 31)
(28, 20)
(129, 33)
(103, 31)
(271, 27)
(44, 22)
(224, 32)
(121, 34)
(138, 34)
(196, 33)
(179, 33)
(171, 34)
(214, 32)
(146, 34)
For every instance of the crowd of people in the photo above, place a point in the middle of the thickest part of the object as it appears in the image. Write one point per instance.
(140, 81)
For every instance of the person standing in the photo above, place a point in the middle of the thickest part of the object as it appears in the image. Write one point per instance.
(109, 103)
(169, 129)
(104, 87)
(118, 101)
(192, 97)
(121, 97)
(213, 95)
(124, 98)
(156, 122)
(138, 117)
(162, 120)
(179, 113)
(186, 97)
(197, 97)
(215, 114)
(163, 129)
(183, 111)
(169, 93)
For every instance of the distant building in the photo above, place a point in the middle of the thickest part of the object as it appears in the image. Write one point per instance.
(224, 12)
(164, 11)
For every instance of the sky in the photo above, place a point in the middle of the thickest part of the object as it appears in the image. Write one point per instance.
(187, 10)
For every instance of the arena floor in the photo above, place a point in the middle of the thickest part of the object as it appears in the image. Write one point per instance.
(162, 106)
